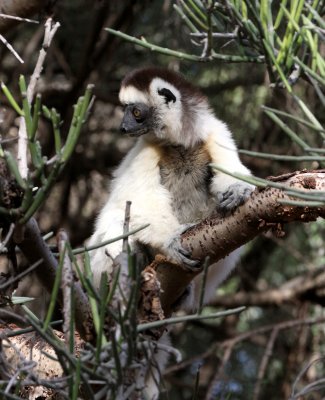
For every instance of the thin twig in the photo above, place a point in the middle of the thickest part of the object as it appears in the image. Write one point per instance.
(66, 285)
(8, 140)
(50, 30)
(6, 16)
(215, 35)
(310, 387)
(3, 245)
(230, 343)
(220, 371)
(21, 275)
(264, 363)
(11, 49)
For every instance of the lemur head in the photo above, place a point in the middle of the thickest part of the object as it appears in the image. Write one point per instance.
(162, 103)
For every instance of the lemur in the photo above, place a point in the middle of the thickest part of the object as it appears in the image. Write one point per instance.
(167, 174)
(168, 178)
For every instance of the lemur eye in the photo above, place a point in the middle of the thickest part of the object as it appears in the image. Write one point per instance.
(136, 112)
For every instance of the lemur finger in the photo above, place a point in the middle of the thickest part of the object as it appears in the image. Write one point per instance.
(177, 253)
(188, 262)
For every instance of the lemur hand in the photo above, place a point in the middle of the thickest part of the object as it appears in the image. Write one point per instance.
(234, 196)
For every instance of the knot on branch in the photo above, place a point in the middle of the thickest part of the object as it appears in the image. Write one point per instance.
(308, 182)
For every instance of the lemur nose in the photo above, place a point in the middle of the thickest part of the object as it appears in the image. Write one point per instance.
(123, 128)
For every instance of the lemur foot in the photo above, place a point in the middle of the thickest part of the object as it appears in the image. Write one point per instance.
(176, 252)
(234, 196)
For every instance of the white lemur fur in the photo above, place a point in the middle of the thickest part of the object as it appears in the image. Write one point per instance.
(167, 176)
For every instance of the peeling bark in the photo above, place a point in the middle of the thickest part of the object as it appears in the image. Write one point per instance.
(150, 308)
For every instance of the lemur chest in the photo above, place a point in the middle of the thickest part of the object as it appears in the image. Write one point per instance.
(186, 174)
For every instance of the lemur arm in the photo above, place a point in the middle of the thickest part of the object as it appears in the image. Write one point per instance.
(230, 192)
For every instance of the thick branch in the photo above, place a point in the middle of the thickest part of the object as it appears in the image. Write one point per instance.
(218, 237)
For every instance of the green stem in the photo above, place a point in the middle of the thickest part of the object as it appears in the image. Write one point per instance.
(76, 124)
(54, 293)
(106, 242)
(26, 107)
(293, 117)
(293, 136)
(11, 100)
(186, 318)
(181, 55)
(191, 14)
(264, 183)
(12, 164)
(279, 157)
(185, 18)
(36, 114)
(308, 70)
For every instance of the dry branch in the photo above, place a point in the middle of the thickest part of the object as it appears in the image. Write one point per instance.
(34, 248)
(305, 286)
(18, 8)
(22, 154)
(218, 237)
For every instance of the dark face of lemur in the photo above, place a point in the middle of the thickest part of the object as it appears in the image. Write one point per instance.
(162, 103)
(137, 120)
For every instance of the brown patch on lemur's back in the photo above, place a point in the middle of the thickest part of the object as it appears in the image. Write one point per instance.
(142, 77)
(186, 174)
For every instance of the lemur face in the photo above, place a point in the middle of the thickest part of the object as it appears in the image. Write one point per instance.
(153, 109)
(140, 118)
(163, 104)
(137, 119)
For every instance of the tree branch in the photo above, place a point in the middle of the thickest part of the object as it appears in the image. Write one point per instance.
(289, 292)
(22, 154)
(217, 237)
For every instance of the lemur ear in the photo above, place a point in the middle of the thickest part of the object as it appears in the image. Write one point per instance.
(167, 94)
